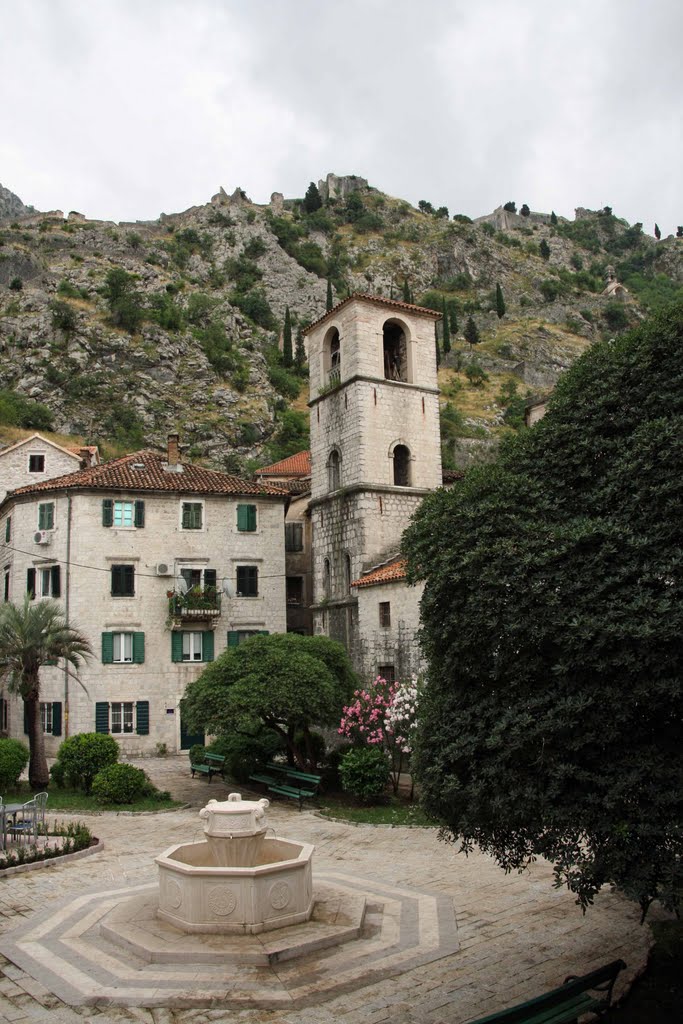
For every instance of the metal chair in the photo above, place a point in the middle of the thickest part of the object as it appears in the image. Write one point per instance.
(25, 824)
(40, 800)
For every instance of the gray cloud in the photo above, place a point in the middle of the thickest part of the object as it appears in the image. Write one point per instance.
(123, 109)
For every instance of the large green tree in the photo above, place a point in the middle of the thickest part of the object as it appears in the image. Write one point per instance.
(284, 682)
(553, 616)
(32, 635)
(287, 357)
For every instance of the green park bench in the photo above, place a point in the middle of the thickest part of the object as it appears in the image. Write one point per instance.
(213, 764)
(591, 993)
(288, 782)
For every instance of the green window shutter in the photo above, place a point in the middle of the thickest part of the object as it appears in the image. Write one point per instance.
(176, 646)
(57, 718)
(25, 719)
(107, 512)
(142, 718)
(233, 638)
(207, 646)
(31, 583)
(56, 581)
(41, 517)
(101, 716)
(139, 514)
(252, 517)
(246, 518)
(8, 530)
(107, 648)
(138, 648)
(210, 579)
(264, 632)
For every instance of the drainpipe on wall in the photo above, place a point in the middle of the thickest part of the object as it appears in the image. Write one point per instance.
(67, 583)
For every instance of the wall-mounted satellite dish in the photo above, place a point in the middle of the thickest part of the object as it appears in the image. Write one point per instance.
(228, 588)
(181, 585)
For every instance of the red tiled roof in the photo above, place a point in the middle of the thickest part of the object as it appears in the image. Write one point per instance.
(377, 300)
(144, 471)
(295, 465)
(389, 573)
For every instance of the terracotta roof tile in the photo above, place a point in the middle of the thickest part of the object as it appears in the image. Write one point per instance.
(391, 572)
(377, 300)
(295, 465)
(144, 471)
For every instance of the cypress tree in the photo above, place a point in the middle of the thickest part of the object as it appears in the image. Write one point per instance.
(287, 340)
(300, 353)
(658, 233)
(471, 333)
(453, 314)
(544, 249)
(329, 303)
(553, 217)
(500, 302)
(446, 330)
(312, 200)
(406, 290)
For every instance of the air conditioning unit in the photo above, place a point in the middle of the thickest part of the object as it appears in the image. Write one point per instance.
(164, 569)
(42, 537)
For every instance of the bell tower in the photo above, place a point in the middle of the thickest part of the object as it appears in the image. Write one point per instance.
(375, 442)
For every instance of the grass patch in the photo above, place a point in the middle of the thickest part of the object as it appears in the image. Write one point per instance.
(68, 800)
(395, 811)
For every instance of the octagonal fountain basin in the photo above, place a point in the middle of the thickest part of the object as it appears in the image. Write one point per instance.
(238, 881)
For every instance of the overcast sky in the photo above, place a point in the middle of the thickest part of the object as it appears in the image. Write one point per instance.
(123, 109)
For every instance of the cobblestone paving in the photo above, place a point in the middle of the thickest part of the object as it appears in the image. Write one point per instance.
(518, 936)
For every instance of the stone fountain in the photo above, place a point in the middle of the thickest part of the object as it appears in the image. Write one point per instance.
(237, 880)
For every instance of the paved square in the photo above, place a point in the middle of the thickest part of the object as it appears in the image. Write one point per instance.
(444, 938)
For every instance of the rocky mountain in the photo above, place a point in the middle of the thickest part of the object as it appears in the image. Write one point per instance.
(127, 331)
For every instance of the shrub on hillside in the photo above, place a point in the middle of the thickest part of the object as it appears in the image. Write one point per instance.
(13, 759)
(82, 756)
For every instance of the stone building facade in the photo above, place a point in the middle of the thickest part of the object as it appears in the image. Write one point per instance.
(375, 449)
(162, 565)
(36, 459)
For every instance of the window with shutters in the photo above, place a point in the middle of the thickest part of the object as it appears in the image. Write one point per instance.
(238, 636)
(8, 529)
(124, 648)
(51, 717)
(121, 716)
(49, 581)
(192, 515)
(246, 518)
(46, 515)
(192, 645)
(123, 581)
(294, 537)
(6, 583)
(247, 581)
(36, 463)
(46, 716)
(385, 613)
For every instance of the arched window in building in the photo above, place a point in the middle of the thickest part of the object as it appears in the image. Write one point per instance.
(332, 356)
(395, 350)
(401, 466)
(334, 470)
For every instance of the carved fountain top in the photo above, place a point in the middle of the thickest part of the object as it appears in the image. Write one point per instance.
(234, 817)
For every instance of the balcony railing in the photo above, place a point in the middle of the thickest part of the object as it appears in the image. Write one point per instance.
(197, 603)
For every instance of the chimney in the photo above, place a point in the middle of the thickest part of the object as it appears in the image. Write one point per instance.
(173, 457)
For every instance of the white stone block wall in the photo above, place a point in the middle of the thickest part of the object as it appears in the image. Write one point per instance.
(396, 644)
(95, 548)
(14, 463)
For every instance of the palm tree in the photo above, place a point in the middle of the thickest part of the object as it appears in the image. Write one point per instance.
(31, 635)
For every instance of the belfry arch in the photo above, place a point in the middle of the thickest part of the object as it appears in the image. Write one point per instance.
(395, 352)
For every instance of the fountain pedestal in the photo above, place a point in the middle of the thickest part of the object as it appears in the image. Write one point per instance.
(238, 881)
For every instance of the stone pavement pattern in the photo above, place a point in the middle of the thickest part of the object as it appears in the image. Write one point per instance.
(517, 936)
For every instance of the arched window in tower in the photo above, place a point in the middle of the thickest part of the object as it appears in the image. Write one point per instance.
(401, 466)
(332, 356)
(334, 470)
(347, 573)
(395, 351)
(327, 586)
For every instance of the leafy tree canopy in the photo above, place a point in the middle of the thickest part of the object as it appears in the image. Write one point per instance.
(285, 682)
(312, 200)
(552, 618)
